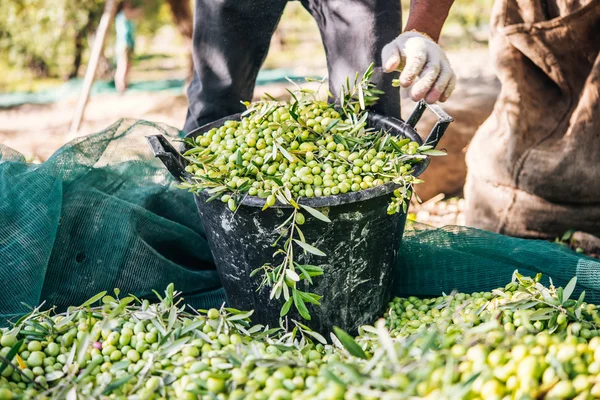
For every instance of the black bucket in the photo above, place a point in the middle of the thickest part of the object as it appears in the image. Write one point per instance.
(361, 242)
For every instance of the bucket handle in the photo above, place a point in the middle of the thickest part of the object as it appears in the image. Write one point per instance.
(170, 157)
(443, 120)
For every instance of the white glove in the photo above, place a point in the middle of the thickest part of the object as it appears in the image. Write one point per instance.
(424, 65)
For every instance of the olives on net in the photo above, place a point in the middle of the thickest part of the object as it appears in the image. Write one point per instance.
(521, 341)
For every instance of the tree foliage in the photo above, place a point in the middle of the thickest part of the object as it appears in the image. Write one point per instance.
(41, 34)
(50, 36)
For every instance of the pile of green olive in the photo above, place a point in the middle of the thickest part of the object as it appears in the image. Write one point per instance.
(523, 341)
(318, 153)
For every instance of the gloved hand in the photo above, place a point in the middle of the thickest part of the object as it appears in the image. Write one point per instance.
(423, 64)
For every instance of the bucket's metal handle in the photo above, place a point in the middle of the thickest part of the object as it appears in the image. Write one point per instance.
(174, 162)
(443, 120)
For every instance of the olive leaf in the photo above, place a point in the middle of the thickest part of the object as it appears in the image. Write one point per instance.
(396, 146)
(72, 394)
(332, 377)
(94, 299)
(300, 306)
(301, 234)
(361, 97)
(119, 366)
(157, 295)
(14, 350)
(256, 271)
(315, 335)
(174, 347)
(315, 213)
(37, 327)
(339, 139)
(434, 153)
(193, 150)
(286, 307)
(309, 248)
(313, 270)
(569, 289)
(292, 275)
(172, 319)
(117, 383)
(54, 375)
(285, 289)
(266, 95)
(553, 324)
(567, 235)
(310, 298)
(241, 316)
(369, 329)
(349, 343)
(542, 314)
(332, 124)
(580, 300)
(560, 295)
(285, 153)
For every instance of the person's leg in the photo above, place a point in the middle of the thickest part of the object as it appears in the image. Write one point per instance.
(129, 55)
(122, 69)
(354, 32)
(230, 43)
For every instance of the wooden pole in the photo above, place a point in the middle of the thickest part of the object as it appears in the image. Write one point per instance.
(90, 72)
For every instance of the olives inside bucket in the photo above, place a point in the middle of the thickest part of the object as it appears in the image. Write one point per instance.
(361, 242)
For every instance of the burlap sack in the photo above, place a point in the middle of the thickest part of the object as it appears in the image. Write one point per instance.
(534, 165)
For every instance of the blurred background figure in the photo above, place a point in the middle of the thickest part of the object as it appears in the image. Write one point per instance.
(124, 42)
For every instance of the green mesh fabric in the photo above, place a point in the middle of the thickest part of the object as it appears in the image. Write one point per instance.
(103, 213)
(432, 261)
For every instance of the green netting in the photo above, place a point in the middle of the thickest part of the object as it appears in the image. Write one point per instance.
(470, 260)
(102, 213)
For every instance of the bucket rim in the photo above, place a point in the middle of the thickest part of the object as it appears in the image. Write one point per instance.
(394, 125)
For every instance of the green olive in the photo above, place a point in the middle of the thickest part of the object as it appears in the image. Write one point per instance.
(213, 313)
(300, 218)
(215, 385)
(8, 340)
(231, 204)
(36, 359)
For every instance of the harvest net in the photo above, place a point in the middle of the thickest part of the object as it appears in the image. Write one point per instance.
(103, 213)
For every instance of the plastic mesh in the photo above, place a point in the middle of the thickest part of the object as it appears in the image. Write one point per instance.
(432, 261)
(103, 213)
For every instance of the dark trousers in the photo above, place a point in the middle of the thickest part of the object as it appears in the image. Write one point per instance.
(232, 37)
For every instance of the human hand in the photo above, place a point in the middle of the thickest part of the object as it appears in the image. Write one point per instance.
(423, 65)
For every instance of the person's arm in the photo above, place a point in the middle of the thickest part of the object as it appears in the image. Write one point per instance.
(423, 64)
(428, 16)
